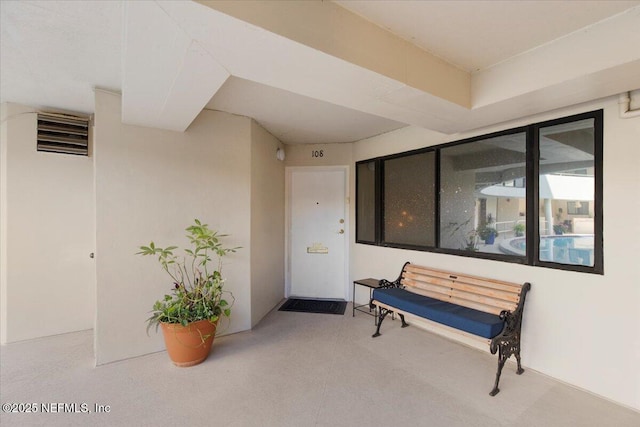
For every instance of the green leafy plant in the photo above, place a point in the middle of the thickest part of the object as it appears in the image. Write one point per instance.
(486, 232)
(197, 292)
(471, 242)
(519, 229)
(560, 228)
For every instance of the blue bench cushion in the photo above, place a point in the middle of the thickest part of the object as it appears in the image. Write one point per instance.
(466, 319)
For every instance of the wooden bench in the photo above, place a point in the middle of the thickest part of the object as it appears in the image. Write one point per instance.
(478, 307)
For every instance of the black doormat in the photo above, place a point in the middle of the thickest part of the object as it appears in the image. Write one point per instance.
(314, 306)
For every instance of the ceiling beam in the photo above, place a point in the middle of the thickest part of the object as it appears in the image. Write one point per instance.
(608, 45)
(336, 31)
(178, 54)
(168, 77)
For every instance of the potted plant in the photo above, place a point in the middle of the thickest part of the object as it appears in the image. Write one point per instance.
(518, 229)
(560, 229)
(488, 234)
(189, 313)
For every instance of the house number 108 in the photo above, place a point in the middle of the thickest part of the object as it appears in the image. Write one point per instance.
(317, 153)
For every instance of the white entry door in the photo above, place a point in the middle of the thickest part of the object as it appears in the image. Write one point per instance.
(317, 233)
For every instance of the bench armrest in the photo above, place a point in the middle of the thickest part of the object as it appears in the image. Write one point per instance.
(510, 334)
(384, 283)
(510, 331)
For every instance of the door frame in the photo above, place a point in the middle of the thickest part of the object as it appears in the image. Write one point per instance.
(289, 170)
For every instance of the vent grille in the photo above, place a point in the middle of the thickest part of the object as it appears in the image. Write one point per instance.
(59, 133)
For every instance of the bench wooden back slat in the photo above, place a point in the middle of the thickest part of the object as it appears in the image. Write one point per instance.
(473, 280)
(488, 295)
(418, 279)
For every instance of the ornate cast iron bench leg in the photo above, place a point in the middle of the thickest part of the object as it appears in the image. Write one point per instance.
(520, 370)
(501, 360)
(505, 345)
(383, 313)
(404, 324)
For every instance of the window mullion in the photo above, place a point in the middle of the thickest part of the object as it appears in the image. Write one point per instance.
(598, 192)
(437, 200)
(533, 192)
(379, 220)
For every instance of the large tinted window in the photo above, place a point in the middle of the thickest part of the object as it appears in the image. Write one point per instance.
(530, 195)
(366, 201)
(483, 195)
(566, 184)
(409, 200)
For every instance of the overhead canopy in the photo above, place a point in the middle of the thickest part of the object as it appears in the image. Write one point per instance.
(562, 187)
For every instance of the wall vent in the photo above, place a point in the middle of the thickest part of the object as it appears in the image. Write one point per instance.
(61, 133)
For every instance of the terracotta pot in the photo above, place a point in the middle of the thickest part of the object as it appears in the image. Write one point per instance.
(191, 344)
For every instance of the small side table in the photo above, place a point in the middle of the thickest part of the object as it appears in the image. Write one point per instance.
(371, 284)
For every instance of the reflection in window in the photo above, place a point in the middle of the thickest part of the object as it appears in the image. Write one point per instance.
(578, 208)
(567, 188)
(483, 195)
(409, 200)
(366, 203)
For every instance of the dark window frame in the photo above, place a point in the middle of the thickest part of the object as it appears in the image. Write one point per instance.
(598, 142)
(485, 255)
(376, 190)
(383, 241)
(532, 199)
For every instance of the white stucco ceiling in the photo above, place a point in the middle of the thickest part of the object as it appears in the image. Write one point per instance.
(53, 53)
(170, 59)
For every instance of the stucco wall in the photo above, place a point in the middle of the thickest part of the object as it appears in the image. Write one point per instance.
(267, 223)
(47, 234)
(150, 185)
